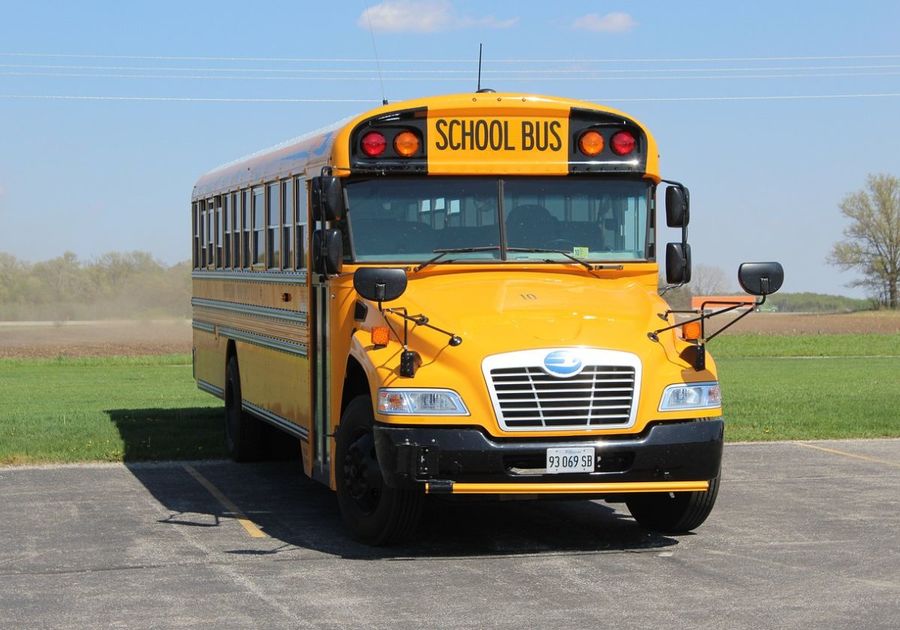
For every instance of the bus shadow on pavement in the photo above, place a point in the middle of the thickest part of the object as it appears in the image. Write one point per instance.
(179, 433)
(298, 514)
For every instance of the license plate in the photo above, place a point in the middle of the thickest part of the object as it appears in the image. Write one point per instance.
(570, 460)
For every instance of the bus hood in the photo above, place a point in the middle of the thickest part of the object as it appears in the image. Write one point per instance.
(496, 312)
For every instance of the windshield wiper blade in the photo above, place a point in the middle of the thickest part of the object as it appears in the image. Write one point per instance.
(453, 250)
(537, 250)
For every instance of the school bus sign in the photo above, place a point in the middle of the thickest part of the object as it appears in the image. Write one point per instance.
(529, 143)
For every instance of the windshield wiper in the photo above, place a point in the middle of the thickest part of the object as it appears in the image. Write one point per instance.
(537, 250)
(527, 250)
(454, 250)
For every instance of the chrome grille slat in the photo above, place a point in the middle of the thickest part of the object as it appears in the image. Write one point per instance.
(528, 397)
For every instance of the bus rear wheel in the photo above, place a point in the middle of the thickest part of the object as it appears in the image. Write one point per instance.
(675, 512)
(374, 512)
(243, 433)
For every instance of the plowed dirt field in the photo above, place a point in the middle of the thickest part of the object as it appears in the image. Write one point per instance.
(107, 338)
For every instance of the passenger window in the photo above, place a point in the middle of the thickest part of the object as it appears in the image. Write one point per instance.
(218, 232)
(287, 223)
(274, 226)
(259, 226)
(195, 218)
(236, 228)
(210, 234)
(226, 231)
(300, 233)
(247, 226)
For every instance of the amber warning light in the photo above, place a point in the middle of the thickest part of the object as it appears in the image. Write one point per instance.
(406, 143)
(590, 143)
(380, 336)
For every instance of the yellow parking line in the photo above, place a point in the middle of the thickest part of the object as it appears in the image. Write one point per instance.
(845, 454)
(246, 523)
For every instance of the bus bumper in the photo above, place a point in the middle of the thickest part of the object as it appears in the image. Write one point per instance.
(666, 457)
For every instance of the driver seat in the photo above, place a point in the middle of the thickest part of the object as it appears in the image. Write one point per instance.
(531, 226)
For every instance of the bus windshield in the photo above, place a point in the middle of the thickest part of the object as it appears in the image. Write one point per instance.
(406, 220)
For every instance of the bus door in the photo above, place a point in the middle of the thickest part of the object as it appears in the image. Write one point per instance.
(320, 363)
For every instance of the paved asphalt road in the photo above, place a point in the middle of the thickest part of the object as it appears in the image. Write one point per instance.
(803, 536)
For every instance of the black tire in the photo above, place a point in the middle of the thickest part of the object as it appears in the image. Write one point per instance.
(374, 512)
(243, 432)
(673, 513)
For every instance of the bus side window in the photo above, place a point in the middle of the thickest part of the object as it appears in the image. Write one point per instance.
(259, 226)
(300, 235)
(195, 219)
(273, 226)
(236, 231)
(287, 224)
(226, 231)
(247, 255)
(219, 233)
(210, 234)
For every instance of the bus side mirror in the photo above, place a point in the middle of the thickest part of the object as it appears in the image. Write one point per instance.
(678, 263)
(761, 278)
(379, 284)
(327, 198)
(678, 206)
(328, 251)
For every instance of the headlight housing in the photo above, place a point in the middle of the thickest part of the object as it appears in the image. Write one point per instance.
(420, 402)
(691, 396)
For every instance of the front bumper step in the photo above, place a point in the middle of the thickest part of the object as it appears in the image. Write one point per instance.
(438, 486)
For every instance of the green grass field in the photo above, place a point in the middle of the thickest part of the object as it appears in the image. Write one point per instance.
(139, 408)
(809, 386)
(105, 409)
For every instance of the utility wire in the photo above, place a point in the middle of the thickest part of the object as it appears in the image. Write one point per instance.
(790, 97)
(450, 60)
(432, 71)
(533, 77)
(77, 97)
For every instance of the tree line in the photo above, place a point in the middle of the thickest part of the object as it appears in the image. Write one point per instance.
(114, 285)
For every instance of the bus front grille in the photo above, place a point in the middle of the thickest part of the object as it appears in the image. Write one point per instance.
(597, 397)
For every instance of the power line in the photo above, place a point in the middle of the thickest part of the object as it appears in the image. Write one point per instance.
(78, 97)
(432, 71)
(784, 97)
(368, 77)
(449, 60)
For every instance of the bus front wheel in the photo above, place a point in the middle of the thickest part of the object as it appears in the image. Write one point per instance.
(374, 512)
(243, 433)
(673, 513)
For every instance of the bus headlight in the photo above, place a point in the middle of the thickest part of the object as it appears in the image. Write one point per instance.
(691, 396)
(420, 402)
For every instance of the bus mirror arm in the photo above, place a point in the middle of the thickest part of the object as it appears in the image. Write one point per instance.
(422, 320)
(700, 344)
(759, 279)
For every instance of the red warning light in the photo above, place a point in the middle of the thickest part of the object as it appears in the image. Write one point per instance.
(622, 143)
(373, 144)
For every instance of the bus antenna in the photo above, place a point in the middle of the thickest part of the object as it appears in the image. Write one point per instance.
(478, 87)
(384, 100)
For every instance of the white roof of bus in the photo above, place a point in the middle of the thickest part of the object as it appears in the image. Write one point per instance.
(291, 156)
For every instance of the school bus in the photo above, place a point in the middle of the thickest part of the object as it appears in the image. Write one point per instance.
(459, 295)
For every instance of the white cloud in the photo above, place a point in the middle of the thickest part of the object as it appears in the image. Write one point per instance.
(423, 16)
(617, 22)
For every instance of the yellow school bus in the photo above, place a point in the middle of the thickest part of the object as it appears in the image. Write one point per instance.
(459, 295)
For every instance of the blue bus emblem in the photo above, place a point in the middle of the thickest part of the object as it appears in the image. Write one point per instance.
(562, 363)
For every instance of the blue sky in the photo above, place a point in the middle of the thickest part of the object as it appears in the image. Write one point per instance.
(735, 94)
